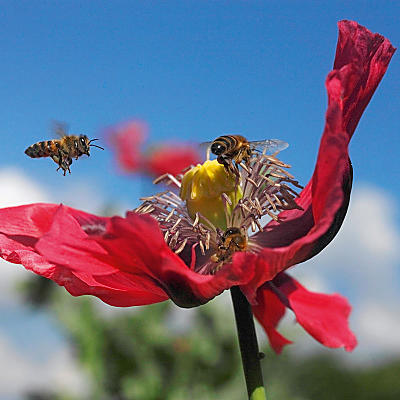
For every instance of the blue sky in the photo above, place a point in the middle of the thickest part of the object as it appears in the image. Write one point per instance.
(191, 69)
(194, 70)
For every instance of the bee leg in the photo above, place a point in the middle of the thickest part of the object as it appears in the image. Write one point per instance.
(56, 159)
(63, 167)
(227, 164)
(223, 161)
(236, 170)
(67, 164)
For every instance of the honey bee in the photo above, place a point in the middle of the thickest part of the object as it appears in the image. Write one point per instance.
(62, 150)
(237, 149)
(232, 240)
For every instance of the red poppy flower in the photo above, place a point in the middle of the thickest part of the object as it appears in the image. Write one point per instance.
(127, 139)
(129, 261)
(170, 158)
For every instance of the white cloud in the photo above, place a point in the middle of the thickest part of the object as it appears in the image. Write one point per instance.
(18, 189)
(380, 323)
(10, 276)
(363, 263)
(20, 374)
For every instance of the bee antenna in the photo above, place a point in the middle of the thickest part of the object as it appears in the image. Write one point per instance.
(92, 140)
(94, 145)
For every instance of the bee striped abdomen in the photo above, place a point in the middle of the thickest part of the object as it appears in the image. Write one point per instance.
(42, 149)
(229, 141)
(228, 144)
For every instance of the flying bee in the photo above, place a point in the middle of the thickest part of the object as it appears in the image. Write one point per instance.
(62, 150)
(232, 240)
(237, 149)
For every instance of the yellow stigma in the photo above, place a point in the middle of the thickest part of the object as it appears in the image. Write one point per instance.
(202, 189)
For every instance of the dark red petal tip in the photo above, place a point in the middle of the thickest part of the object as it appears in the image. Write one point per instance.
(361, 60)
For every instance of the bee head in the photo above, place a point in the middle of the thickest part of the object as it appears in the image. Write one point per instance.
(84, 145)
(232, 231)
(218, 148)
(237, 236)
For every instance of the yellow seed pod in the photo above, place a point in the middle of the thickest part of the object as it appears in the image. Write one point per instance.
(202, 189)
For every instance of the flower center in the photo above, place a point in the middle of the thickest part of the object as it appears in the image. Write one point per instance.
(216, 211)
(213, 192)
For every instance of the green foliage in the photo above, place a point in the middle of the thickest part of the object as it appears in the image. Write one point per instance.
(325, 378)
(139, 355)
(134, 355)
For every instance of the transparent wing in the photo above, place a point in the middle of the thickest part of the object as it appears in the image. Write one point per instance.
(59, 128)
(269, 146)
(205, 147)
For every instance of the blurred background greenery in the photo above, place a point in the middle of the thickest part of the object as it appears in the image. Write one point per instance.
(144, 353)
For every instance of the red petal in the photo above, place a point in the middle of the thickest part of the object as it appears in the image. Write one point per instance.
(269, 311)
(123, 261)
(324, 317)
(20, 228)
(363, 58)
(139, 236)
(130, 255)
(31, 220)
(370, 53)
(126, 138)
(94, 270)
(25, 230)
(171, 158)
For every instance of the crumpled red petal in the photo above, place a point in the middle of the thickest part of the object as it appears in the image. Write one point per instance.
(369, 54)
(171, 158)
(361, 61)
(138, 237)
(25, 230)
(123, 261)
(324, 317)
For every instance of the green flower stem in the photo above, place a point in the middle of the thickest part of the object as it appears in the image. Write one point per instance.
(248, 345)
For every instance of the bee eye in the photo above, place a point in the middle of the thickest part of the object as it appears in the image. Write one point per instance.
(217, 148)
(82, 140)
(233, 231)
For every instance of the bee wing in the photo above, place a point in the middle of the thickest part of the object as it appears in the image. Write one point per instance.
(270, 146)
(59, 128)
(205, 147)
